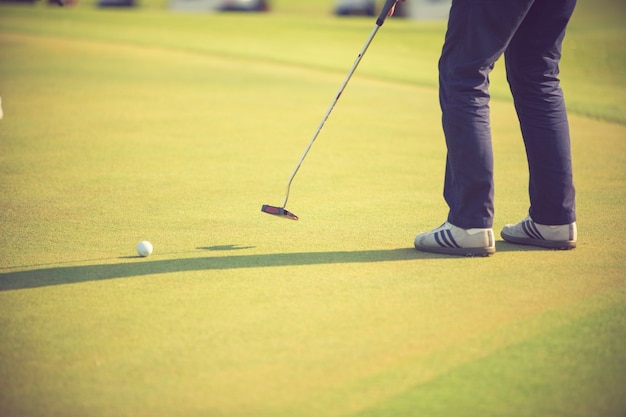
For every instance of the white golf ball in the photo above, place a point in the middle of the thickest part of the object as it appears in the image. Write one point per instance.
(144, 248)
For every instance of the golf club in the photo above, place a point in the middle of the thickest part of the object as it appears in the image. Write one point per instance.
(281, 211)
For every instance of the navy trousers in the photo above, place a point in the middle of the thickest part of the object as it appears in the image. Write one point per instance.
(529, 33)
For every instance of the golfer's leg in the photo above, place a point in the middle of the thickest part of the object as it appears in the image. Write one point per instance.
(478, 33)
(532, 62)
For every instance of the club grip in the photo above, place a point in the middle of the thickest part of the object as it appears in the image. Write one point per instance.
(385, 11)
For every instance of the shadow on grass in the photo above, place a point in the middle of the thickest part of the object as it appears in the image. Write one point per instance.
(58, 275)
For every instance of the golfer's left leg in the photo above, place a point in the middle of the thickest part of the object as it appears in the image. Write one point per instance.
(532, 63)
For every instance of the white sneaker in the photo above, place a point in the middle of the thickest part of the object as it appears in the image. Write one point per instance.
(527, 232)
(451, 240)
(1, 113)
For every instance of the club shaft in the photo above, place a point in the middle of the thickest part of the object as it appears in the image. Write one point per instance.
(330, 108)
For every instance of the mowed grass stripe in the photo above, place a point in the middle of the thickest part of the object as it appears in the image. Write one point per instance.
(522, 376)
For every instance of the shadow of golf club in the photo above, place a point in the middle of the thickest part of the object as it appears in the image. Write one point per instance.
(224, 247)
(60, 275)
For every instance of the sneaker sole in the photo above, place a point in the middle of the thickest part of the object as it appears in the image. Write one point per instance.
(550, 244)
(470, 252)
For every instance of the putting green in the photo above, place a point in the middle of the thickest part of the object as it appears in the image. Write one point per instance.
(122, 126)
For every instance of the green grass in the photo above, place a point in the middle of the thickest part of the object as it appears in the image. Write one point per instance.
(128, 125)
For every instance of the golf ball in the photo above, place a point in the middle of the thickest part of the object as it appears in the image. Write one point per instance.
(144, 248)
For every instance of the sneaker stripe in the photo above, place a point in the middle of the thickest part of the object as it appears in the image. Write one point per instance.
(445, 240)
(531, 230)
(534, 228)
(438, 239)
(526, 228)
(456, 245)
(446, 236)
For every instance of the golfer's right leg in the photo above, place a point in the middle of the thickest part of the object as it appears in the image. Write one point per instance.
(478, 33)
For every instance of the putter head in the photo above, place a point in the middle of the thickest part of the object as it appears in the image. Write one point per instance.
(278, 211)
